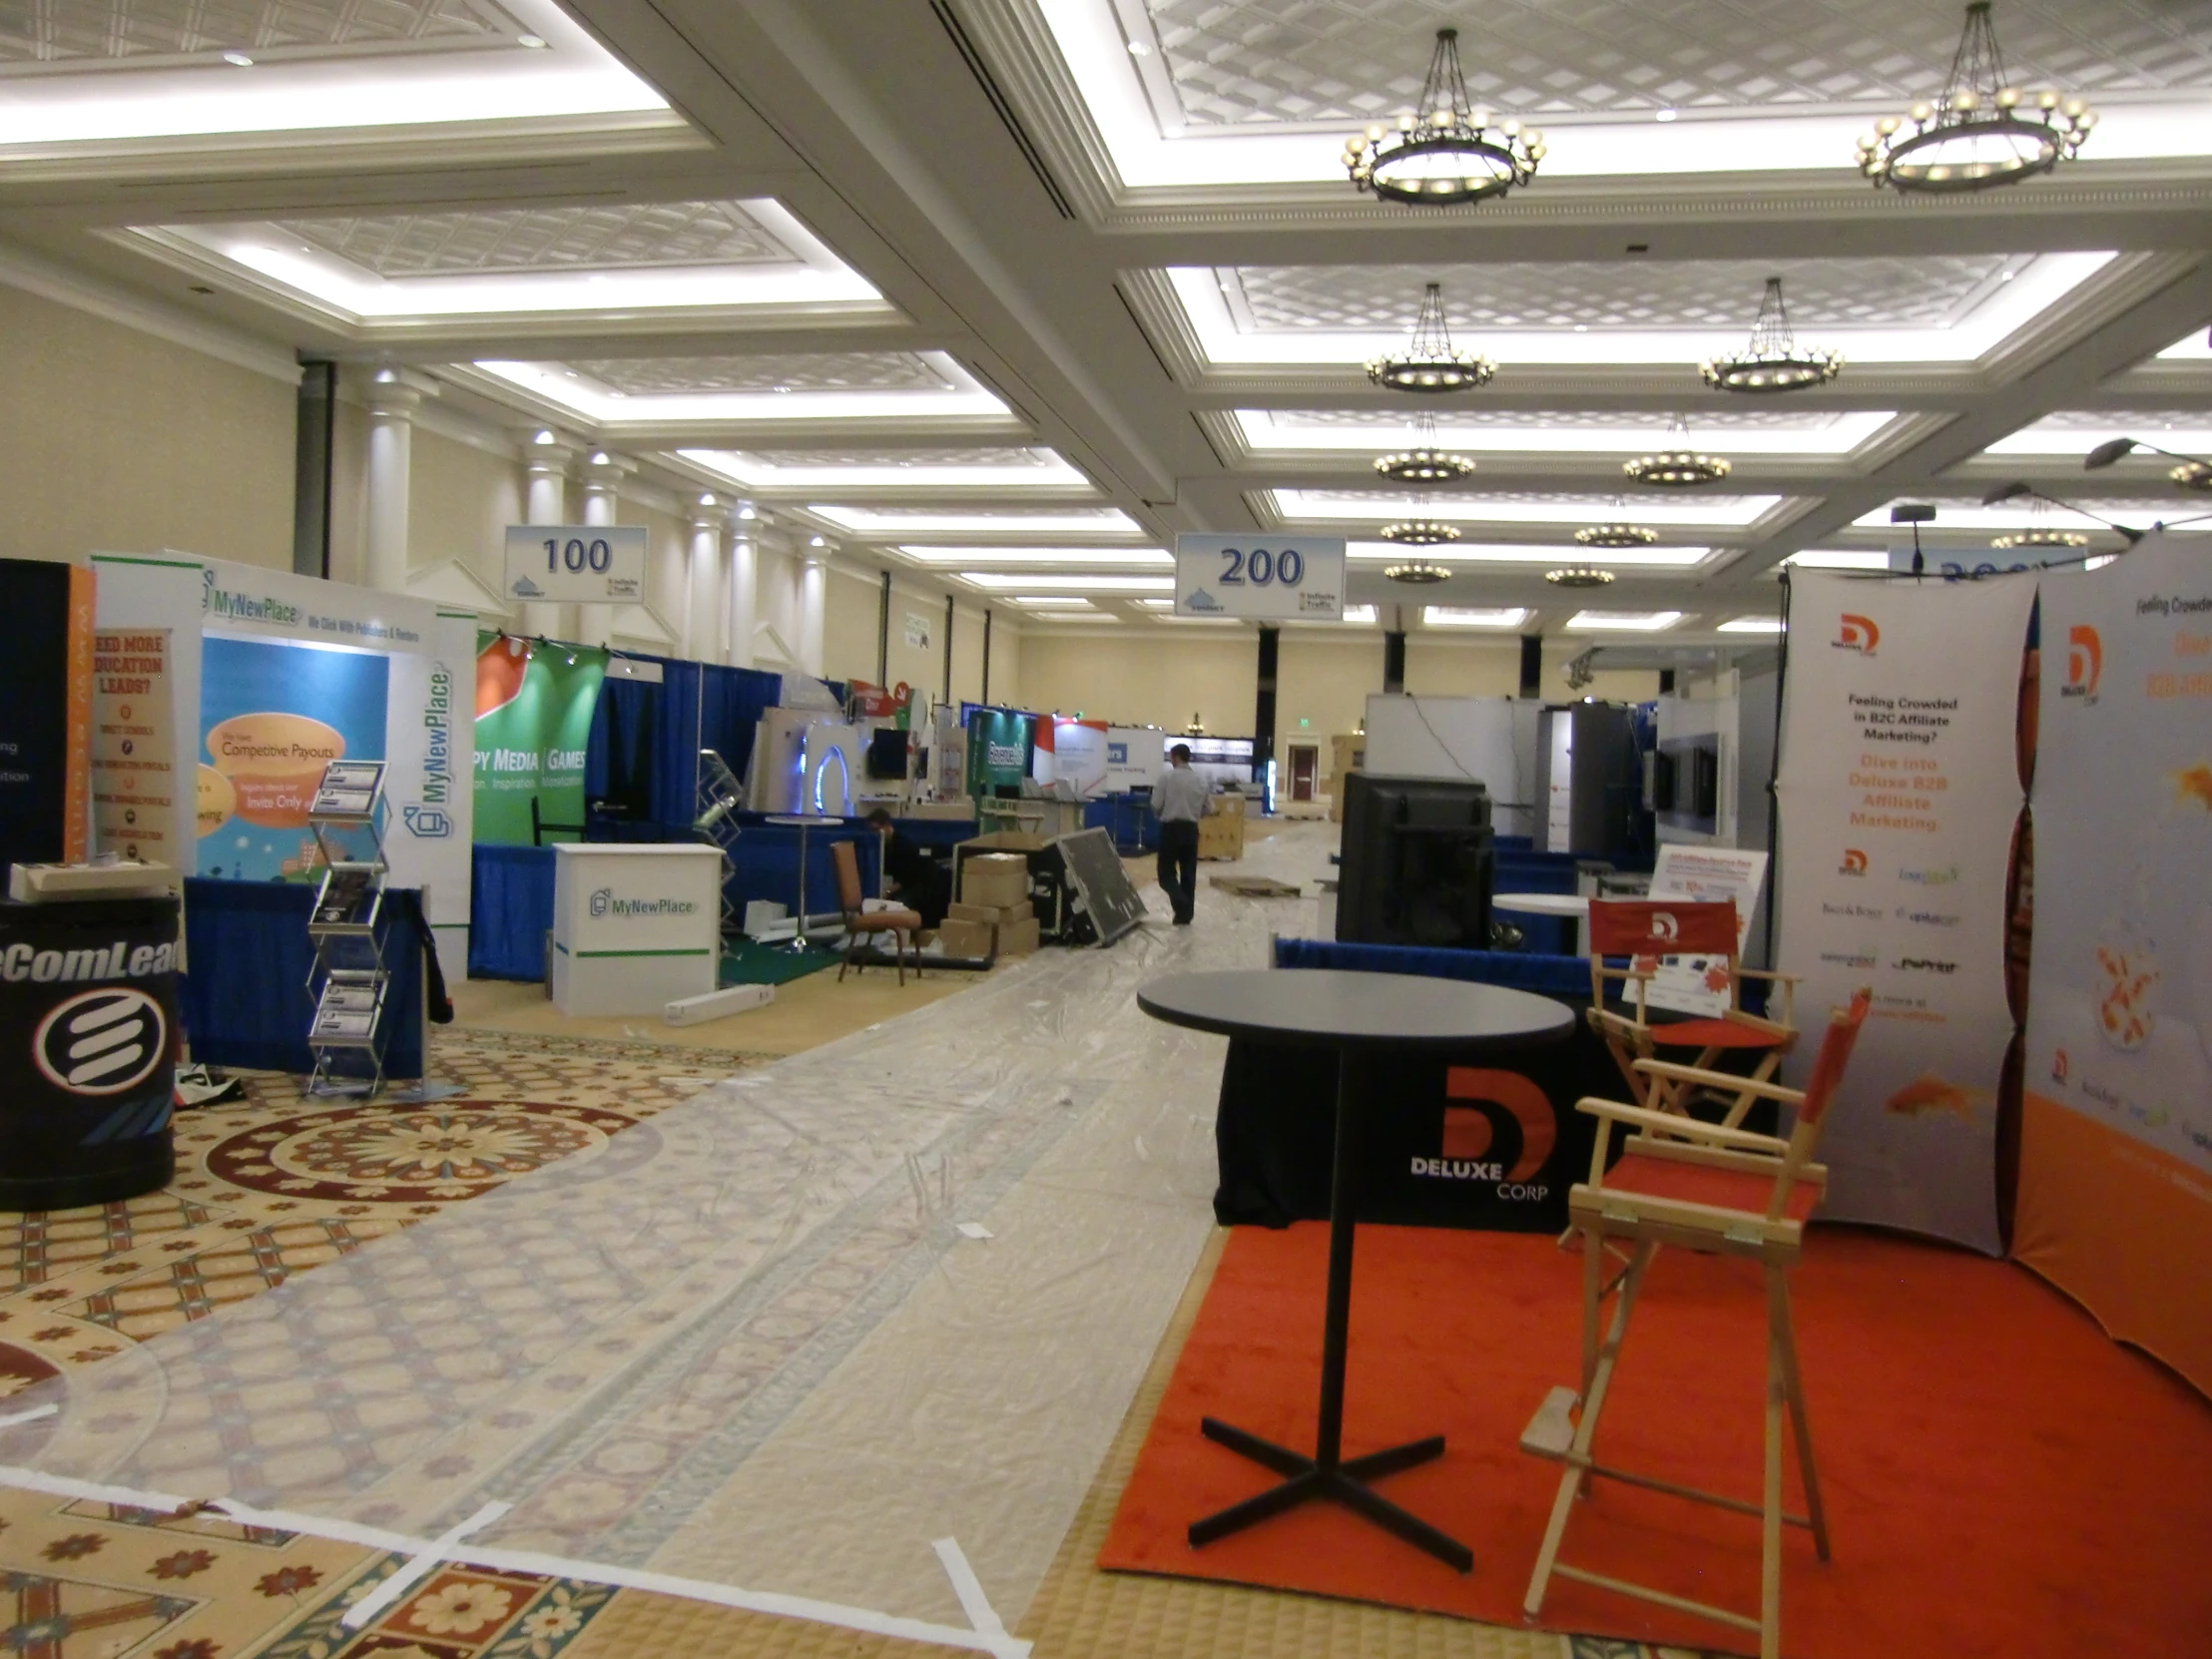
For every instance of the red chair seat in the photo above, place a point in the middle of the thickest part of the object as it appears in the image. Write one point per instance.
(1724, 1189)
(1714, 1033)
(884, 921)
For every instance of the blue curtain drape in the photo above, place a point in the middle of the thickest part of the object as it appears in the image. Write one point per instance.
(642, 754)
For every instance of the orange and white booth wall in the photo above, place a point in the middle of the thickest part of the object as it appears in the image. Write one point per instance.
(2115, 1184)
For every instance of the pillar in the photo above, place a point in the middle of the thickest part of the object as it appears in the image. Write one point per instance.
(744, 586)
(393, 397)
(545, 501)
(702, 625)
(1263, 713)
(1531, 665)
(1393, 662)
(603, 475)
(813, 582)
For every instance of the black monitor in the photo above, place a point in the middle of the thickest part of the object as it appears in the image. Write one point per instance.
(1417, 862)
(887, 753)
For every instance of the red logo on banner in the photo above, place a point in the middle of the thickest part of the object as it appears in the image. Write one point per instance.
(2084, 662)
(1468, 1129)
(1855, 862)
(1858, 633)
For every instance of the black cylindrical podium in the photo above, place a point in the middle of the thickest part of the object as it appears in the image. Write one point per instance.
(88, 1018)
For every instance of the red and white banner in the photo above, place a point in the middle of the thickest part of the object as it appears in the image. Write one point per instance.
(1898, 796)
(2116, 1188)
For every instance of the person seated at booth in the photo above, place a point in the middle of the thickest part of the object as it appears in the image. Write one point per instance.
(909, 873)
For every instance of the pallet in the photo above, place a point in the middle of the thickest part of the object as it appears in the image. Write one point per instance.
(1253, 886)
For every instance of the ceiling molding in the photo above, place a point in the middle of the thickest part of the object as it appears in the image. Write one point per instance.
(113, 303)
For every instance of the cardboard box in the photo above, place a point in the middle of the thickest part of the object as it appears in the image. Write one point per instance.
(995, 914)
(1017, 939)
(995, 879)
(969, 939)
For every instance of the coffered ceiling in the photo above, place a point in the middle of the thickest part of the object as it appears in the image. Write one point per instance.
(1008, 292)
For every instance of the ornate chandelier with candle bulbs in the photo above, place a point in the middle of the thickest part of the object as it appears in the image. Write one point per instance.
(1980, 131)
(1444, 151)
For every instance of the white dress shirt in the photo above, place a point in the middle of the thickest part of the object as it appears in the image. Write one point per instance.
(1180, 796)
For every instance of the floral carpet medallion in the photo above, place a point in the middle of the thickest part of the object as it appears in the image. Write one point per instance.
(451, 1150)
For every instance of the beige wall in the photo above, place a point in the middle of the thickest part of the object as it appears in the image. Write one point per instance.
(111, 438)
(460, 499)
(848, 626)
(1324, 680)
(1149, 677)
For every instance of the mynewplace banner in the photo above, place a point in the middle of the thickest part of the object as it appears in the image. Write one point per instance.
(1898, 796)
(2115, 1187)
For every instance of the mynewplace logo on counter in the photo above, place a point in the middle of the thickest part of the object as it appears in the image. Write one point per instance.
(604, 902)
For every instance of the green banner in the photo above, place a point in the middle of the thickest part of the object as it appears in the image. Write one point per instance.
(533, 717)
(999, 745)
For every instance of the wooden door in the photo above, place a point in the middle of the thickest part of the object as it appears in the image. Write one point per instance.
(1304, 764)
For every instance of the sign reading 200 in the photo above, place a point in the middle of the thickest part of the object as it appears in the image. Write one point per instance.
(1260, 568)
(577, 555)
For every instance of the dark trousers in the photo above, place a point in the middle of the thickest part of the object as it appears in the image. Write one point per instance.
(1179, 865)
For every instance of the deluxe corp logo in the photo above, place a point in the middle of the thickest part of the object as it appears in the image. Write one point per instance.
(1482, 1100)
(1924, 965)
(524, 588)
(101, 1042)
(1857, 633)
(1665, 925)
(605, 903)
(1855, 862)
(1201, 599)
(2084, 662)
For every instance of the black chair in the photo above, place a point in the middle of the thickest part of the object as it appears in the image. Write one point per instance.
(539, 828)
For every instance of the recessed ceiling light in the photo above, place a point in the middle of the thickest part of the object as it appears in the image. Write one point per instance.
(1459, 616)
(1138, 49)
(237, 58)
(1664, 115)
(1752, 625)
(535, 43)
(1642, 622)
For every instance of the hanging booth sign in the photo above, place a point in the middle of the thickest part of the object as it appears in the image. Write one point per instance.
(2115, 1184)
(1897, 808)
(581, 564)
(1262, 577)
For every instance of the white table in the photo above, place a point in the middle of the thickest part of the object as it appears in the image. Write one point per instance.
(636, 925)
(1573, 906)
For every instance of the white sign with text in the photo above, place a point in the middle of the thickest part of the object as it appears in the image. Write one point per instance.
(1262, 577)
(576, 564)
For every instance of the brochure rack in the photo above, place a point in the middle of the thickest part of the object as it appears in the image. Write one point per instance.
(350, 976)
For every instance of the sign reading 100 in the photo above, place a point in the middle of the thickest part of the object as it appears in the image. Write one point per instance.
(577, 555)
(1260, 568)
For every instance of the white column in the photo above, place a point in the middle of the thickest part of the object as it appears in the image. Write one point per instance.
(813, 582)
(545, 501)
(703, 583)
(744, 587)
(603, 474)
(393, 397)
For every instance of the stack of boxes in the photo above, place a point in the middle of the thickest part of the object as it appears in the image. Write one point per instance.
(993, 915)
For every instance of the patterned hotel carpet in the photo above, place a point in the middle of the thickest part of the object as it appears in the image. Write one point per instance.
(267, 1188)
(277, 1185)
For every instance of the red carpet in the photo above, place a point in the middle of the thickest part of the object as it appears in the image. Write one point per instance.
(2002, 1478)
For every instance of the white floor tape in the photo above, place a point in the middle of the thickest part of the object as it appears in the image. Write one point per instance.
(32, 1415)
(393, 1589)
(989, 1635)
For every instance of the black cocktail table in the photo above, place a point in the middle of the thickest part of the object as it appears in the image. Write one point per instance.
(1356, 1015)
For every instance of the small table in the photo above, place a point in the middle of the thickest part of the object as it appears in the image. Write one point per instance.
(1573, 906)
(803, 823)
(1356, 1015)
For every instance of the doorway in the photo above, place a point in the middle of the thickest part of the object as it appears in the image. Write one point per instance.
(1304, 765)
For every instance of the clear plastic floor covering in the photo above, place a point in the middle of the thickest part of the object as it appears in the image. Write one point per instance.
(747, 1342)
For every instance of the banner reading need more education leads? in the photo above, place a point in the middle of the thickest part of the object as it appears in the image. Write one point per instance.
(1898, 796)
(2116, 1188)
(534, 708)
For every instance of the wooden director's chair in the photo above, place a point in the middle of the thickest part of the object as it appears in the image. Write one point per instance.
(1715, 1189)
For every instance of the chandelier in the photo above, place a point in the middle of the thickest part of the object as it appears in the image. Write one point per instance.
(2192, 475)
(1677, 466)
(1616, 535)
(1431, 363)
(1419, 532)
(1771, 361)
(1418, 573)
(1579, 576)
(1425, 462)
(1444, 150)
(1980, 132)
(2039, 533)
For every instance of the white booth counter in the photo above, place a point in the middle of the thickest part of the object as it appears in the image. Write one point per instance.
(635, 927)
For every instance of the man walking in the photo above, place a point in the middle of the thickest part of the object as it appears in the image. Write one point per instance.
(1179, 800)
